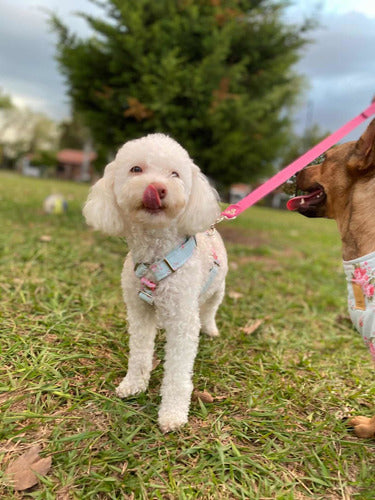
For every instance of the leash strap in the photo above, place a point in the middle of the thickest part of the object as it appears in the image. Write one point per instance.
(233, 211)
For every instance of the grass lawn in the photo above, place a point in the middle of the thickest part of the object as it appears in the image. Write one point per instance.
(274, 430)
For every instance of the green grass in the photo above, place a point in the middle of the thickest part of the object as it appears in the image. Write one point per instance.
(275, 429)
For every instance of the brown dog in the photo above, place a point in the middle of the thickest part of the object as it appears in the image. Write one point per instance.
(342, 187)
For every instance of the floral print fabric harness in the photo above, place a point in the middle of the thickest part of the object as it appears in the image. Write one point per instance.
(360, 275)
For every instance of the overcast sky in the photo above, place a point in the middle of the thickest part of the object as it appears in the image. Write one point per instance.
(339, 65)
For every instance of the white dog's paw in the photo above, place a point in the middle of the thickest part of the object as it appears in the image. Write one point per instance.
(211, 332)
(169, 422)
(128, 388)
(209, 328)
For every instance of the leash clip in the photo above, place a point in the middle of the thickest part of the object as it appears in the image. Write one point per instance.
(221, 218)
(212, 228)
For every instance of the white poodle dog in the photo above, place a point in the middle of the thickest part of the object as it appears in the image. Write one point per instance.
(174, 275)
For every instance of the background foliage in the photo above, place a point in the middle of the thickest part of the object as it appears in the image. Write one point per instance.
(217, 75)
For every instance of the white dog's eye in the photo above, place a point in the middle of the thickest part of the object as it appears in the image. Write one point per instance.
(175, 174)
(136, 170)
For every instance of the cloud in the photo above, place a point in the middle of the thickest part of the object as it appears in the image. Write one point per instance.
(340, 69)
(29, 71)
(344, 44)
(365, 6)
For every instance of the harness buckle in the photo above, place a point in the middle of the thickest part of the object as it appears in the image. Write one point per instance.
(141, 269)
(146, 296)
(171, 267)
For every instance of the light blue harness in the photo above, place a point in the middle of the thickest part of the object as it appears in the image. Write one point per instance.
(165, 267)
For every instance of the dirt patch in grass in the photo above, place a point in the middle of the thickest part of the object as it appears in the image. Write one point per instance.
(262, 259)
(240, 236)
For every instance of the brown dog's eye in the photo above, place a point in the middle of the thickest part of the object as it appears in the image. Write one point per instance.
(136, 170)
(175, 174)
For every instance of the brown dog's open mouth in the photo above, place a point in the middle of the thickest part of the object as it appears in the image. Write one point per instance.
(314, 198)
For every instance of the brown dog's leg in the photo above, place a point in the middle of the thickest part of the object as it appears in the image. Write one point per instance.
(363, 427)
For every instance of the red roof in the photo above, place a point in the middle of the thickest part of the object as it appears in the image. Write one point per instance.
(74, 156)
(240, 187)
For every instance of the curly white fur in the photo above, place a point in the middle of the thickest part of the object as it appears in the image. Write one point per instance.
(188, 205)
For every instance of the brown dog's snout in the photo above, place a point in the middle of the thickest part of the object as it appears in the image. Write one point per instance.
(302, 181)
(299, 175)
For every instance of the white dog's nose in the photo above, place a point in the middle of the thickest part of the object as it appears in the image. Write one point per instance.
(153, 194)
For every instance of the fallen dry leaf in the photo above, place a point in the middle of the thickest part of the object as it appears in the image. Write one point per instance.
(92, 266)
(45, 238)
(204, 396)
(155, 363)
(235, 295)
(251, 326)
(363, 402)
(220, 398)
(124, 467)
(21, 472)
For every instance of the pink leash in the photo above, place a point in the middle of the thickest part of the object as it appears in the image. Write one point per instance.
(233, 211)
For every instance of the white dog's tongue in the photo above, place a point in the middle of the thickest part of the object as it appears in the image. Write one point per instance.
(151, 198)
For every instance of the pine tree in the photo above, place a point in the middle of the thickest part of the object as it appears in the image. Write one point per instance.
(217, 75)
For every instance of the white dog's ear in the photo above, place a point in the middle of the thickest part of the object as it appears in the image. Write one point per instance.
(101, 210)
(202, 208)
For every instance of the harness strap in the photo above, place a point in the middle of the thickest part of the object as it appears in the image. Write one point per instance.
(165, 267)
(211, 276)
(173, 261)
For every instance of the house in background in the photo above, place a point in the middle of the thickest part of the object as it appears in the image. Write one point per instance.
(75, 164)
(276, 199)
(238, 191)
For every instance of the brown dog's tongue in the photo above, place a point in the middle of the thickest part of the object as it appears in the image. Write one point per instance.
(294, 203)
(151, 198)
(297, 201)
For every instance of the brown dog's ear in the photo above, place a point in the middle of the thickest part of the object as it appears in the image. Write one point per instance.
(363, 157)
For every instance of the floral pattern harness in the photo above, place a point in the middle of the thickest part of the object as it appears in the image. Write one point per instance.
(360, 276)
